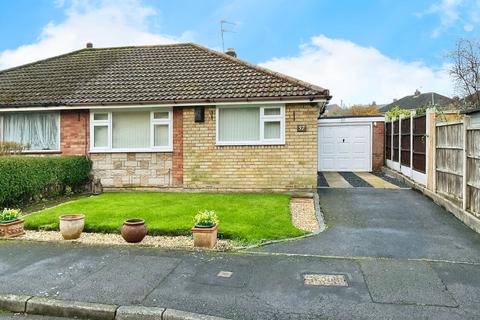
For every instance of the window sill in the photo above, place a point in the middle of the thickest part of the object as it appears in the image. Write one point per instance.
(252, 144)
(41, 152)
(133, 151)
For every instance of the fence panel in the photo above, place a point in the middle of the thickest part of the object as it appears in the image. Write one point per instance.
(405, 142)
(419, 143)
(449, 161)
(473, 171)
(395, 140)
(388, 140)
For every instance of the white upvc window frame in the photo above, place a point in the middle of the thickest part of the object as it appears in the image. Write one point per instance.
(263, 118)
(154, 122)
(109, 124)
(59, 134)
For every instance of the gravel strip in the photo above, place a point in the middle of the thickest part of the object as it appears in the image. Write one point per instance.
(180, 242)
(390, 179)
(321, 181)
(303, 214)
(355, 180)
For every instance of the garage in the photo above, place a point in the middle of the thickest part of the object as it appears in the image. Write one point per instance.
(350, 143)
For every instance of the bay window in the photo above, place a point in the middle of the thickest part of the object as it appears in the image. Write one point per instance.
(36, 131)
(125, 131)
(250, 125)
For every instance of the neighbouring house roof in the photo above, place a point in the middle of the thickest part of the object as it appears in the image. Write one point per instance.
(472, 111)
(332, 108)
(418, 100)
(179, 73)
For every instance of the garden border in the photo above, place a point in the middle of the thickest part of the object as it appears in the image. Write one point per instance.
(321, 224)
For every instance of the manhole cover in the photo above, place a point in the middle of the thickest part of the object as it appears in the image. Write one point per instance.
(225, 274)
(337, 280)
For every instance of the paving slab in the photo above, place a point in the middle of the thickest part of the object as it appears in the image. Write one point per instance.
(375, 181)
(335, 180)
(405, 282)
(463, 282)
(125, 280)
(60, 270)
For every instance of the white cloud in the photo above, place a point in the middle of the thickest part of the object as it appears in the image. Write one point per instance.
(468, 27)
(454, 13)
(358, 74)
(449, 14)
(104, 23)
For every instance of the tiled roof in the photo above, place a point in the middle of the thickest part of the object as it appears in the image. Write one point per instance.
(418, 101)
(180, 73)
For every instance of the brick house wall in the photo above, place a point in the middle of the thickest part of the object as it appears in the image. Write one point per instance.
(74, 132)
(378, 144)
(177, 157)
(292, 166)
(197, 163)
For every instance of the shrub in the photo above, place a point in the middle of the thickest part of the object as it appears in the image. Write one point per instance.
(23, 179)
(206, 218)
(9, 214)
(10, 148)
(396, 113)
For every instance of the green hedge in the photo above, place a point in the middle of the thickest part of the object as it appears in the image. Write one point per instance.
(27, 179)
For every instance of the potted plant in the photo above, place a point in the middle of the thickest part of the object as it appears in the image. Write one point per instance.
(71, 226)
(134, 230)
(11, 225)
(205, 229)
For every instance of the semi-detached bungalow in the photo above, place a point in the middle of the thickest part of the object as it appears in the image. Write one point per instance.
(167, 116)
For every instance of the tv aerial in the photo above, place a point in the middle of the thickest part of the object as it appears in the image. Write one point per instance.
(223, 30)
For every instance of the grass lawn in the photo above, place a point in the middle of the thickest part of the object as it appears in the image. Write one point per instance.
(247, 218)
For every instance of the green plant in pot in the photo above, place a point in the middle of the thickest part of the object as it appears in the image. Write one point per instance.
(11, 224)
(205, 229)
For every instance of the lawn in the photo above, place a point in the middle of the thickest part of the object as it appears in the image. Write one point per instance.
(246, 218)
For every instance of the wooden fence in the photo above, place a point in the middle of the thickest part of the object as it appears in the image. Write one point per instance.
(449, 161)
(442, 153)
(405, 146)
(457, 169)
(472, 171)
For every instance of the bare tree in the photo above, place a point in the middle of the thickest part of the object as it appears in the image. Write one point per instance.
(465, 69)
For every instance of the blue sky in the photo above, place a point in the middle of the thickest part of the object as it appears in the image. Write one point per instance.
(362, 51)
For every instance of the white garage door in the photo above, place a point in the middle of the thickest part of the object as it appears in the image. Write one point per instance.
(344, 147)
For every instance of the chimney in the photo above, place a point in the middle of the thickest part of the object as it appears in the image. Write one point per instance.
(89, 45)
(231, 52)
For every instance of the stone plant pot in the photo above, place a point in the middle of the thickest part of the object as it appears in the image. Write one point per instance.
(205, 237)
(134, 230)
(71, 226)
(11, 229)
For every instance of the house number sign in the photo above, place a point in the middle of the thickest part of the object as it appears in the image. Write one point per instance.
(301, 128)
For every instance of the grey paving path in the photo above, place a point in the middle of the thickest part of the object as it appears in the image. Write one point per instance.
(261, 286)
(401, 224)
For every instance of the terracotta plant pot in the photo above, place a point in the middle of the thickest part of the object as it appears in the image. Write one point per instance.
(134, 230)
(205, 237)
(11, 229)
(71, 226)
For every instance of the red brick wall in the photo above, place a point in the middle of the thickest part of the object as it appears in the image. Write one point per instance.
(177, 159)
(378, 144)
(74, 129)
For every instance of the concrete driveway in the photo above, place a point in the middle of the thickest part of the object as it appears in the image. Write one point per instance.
(401, 224)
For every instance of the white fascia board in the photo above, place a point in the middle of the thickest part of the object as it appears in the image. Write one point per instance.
(352, 120)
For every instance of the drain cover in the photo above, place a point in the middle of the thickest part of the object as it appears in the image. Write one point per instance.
(225, 274)
(337, 280)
